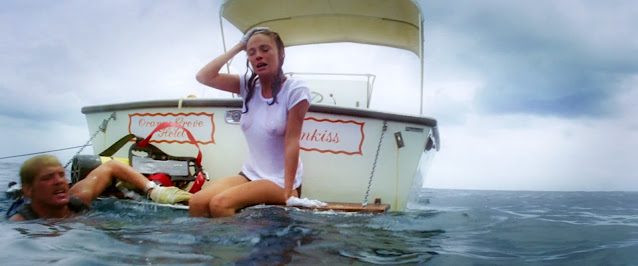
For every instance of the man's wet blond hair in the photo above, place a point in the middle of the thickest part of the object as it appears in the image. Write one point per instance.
(32, 166)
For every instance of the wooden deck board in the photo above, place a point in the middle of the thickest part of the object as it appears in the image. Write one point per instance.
(351, 207)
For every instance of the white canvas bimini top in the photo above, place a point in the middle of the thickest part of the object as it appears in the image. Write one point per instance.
(393, 23)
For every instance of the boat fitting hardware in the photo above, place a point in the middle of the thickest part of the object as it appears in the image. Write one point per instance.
(434, 140)
(414, 129)
(399, 139)
(233, 116)
(429, 143)
(105, 123)
(437, 138)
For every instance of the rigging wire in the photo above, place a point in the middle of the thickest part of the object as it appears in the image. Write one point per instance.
(41, 152)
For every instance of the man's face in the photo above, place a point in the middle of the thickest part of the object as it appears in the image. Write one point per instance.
(49, 187)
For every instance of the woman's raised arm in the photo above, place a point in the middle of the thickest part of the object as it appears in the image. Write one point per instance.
(209, 75)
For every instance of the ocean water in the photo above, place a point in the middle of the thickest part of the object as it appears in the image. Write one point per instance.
(442, 227)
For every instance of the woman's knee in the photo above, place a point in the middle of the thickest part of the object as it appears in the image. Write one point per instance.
(111, 166)
(199, 200)
(219, 201)
(222, 205)
(198, 205)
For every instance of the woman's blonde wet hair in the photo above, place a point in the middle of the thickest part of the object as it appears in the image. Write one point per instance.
(32, 166)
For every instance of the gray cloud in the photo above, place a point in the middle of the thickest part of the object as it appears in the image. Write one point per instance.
(562, 59)
(63, 56)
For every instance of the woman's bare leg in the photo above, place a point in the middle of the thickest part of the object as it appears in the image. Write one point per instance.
(228, 202)
(101, 177)
(198, 205)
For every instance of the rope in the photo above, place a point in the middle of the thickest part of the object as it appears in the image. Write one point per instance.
(374, 165)
(102, 128)
(41, 152)
(89, 142)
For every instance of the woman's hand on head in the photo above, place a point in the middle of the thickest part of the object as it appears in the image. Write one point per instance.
(249, 33)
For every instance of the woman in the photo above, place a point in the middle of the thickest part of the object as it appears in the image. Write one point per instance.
(274, 109)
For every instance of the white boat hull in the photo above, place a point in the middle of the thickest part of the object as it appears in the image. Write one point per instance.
(339, 145)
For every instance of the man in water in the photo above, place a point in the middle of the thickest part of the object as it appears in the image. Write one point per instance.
(44, 183)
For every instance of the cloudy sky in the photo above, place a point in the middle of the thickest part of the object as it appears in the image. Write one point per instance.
(529, 95)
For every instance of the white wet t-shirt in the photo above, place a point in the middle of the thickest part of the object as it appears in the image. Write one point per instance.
(264, 127)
